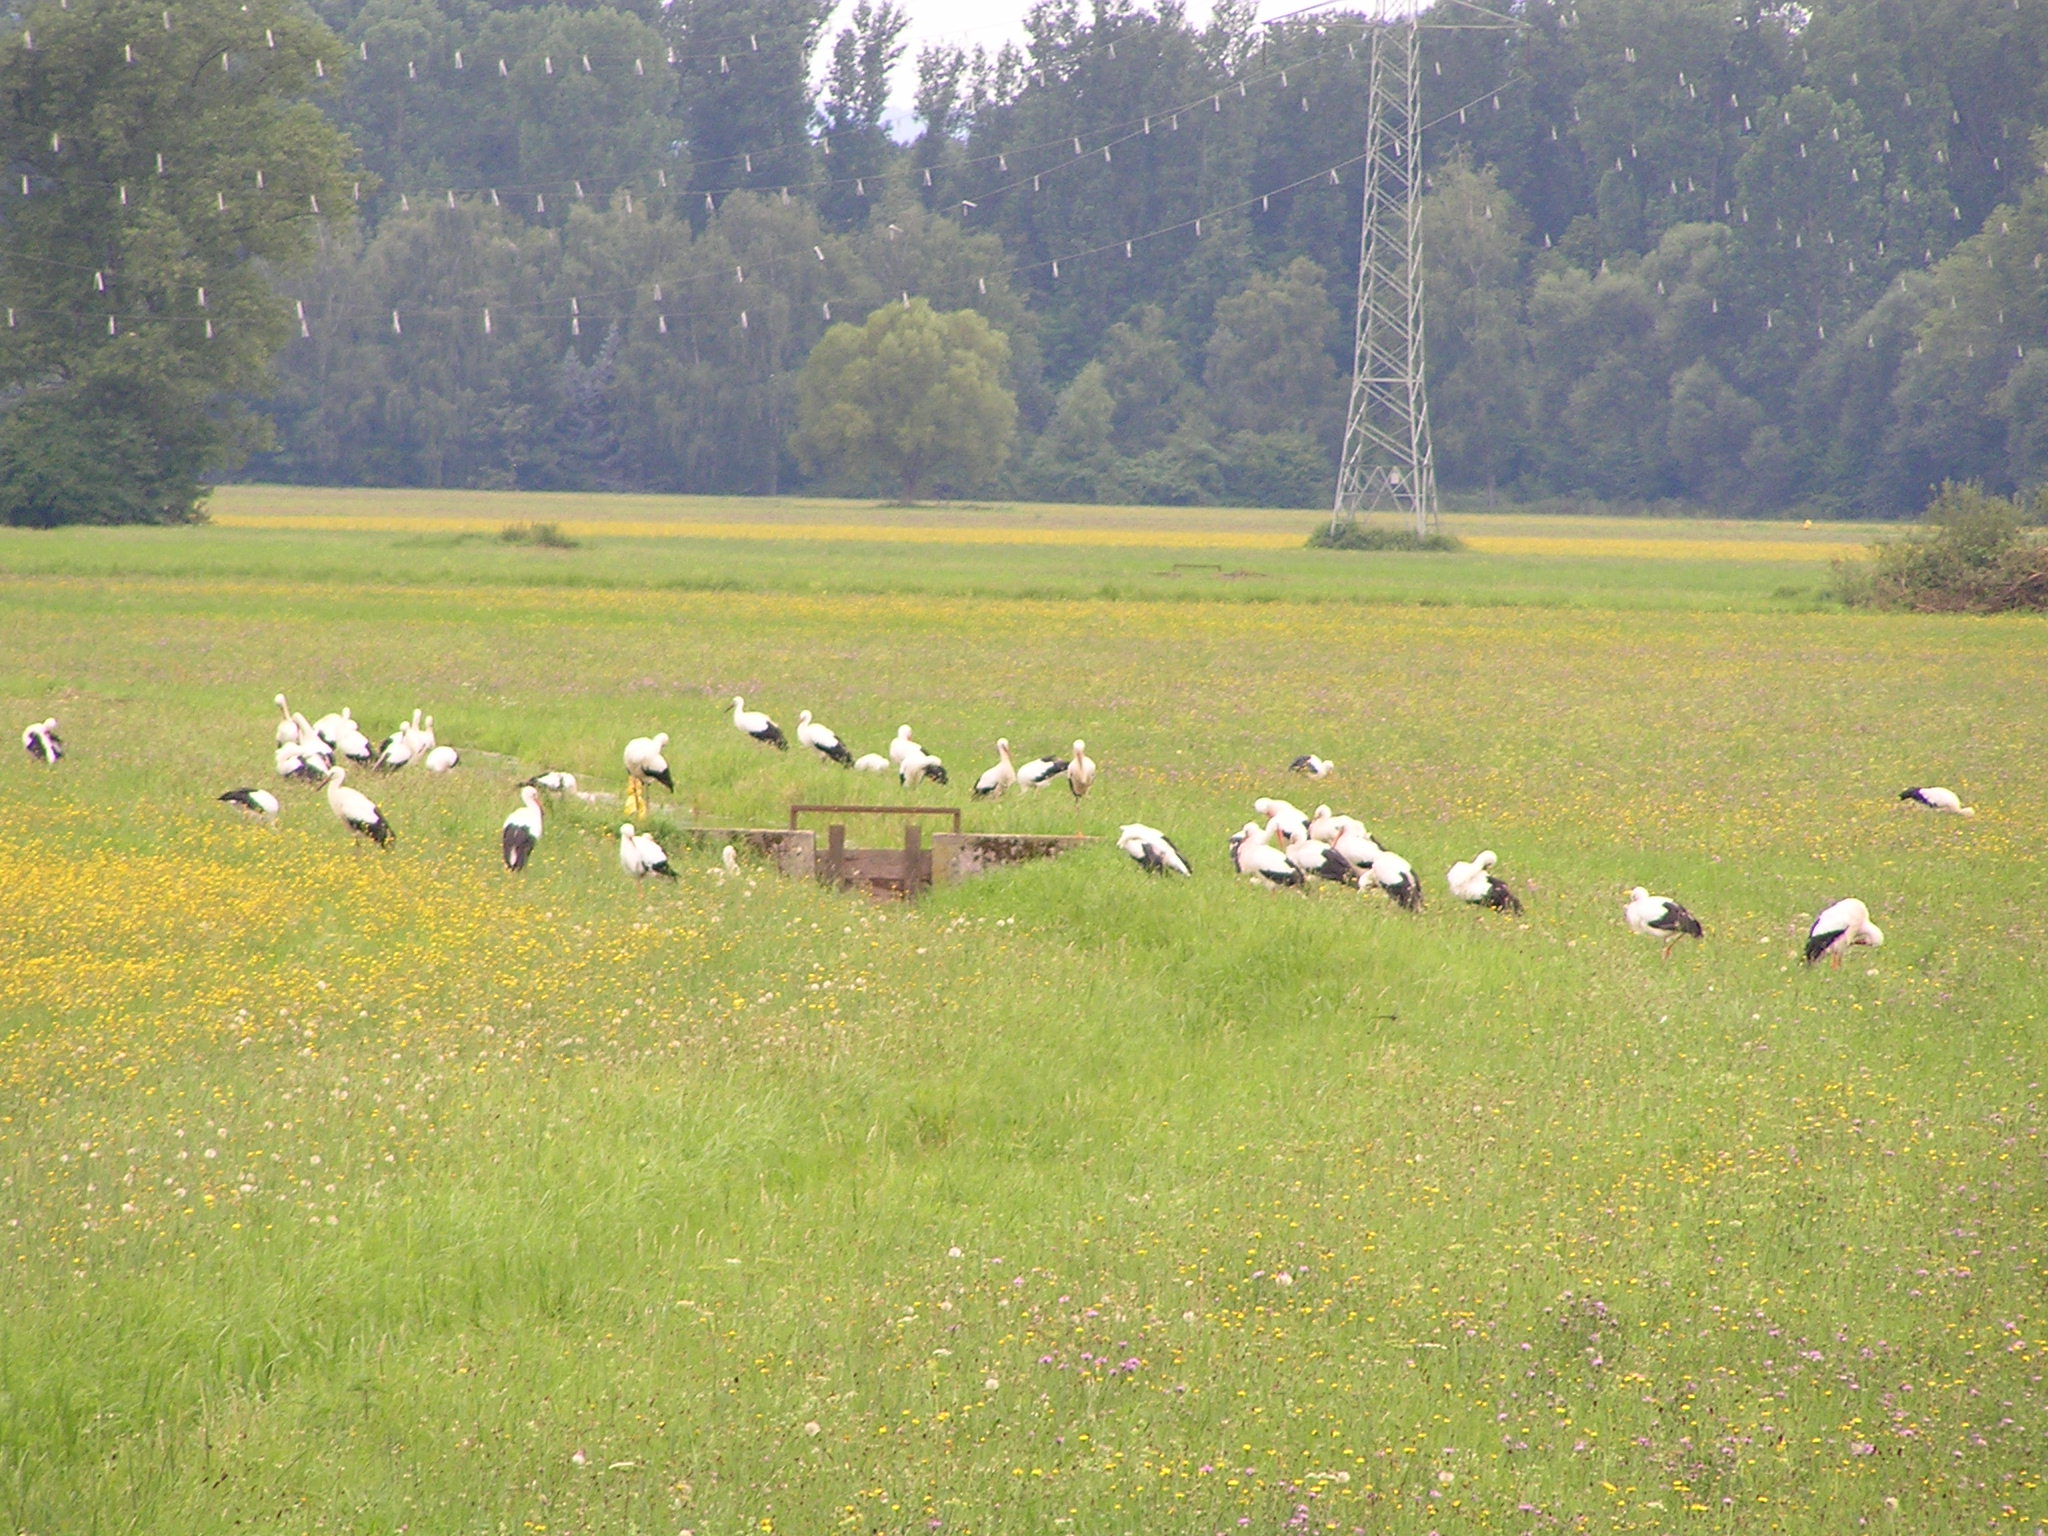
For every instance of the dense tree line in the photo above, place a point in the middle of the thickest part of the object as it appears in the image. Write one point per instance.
(1754, 255)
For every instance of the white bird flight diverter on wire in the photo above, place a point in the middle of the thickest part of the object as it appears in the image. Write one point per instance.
(1840, 928)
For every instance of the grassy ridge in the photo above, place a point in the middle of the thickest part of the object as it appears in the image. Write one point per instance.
(363, 1191)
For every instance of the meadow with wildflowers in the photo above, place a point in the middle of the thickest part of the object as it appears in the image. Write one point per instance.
(356, 1191)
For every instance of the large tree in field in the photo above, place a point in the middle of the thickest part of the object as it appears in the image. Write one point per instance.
(172, 164)
(912, 397)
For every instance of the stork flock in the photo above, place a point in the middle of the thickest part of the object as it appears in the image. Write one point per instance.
(1284, 847)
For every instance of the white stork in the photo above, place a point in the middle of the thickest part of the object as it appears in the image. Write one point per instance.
(42, 742)
(1319, 859)
(288, 726)
(1840, 928)
(919, 765)
(328, 727)
(1396, 876)
(260, 803)
(350, 742)
(645, 760)
(1040, 771)
(356, 810)
(400, 748)
(1475, 882)
(1935, 798)
(1283, 819)
(871, 762)
(1255, 857)
(901, 746)
(1080, 770)
(522, 829)
(1151, 850)
(822, 739)
(555, 782)
(1354, 843)
(757, 725)
(300, 762)
(1315, 767)
(441, 759)
(1659, 917)
(1001, 776)
(641, 855)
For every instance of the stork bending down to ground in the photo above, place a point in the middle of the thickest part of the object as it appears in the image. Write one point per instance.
(822, 740)
(260, 803)
(1151, 850)
(1396, 876)
(917, 766)
(1315, 767)
(522, 829)
(1838, 929)
(1254, 856)
(1475, 882)
(555, 782)
(356, 810)
(42, 741)
(641, 855)
(1935, 798)
(1321, 860)
(1659, 917)
(757, 725)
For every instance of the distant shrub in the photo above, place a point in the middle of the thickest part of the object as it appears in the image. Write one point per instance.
(1377, 536)
(540, 535)
(1976, 554)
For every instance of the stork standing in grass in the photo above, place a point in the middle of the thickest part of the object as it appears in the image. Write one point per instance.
(1080, 770)
(822, 740)
(42, 742)
(1935, 798)
(640, 855)
(259, 803)
(1659, 917)
(753, 723)
(917, 766)
(308, 763)
(1151, 850)
(1840, 928)
(1040, 771)
(1475, 882)
(356, 810)
(350, 742)
(1396, 877)
(521, 834)
(901, 745)
(1253, 855)
(999, 778)
(645, 760)
(288, 726)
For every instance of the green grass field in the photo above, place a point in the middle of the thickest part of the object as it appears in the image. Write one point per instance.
(366, 1192)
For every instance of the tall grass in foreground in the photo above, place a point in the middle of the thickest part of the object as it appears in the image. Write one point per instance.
(367, 1192)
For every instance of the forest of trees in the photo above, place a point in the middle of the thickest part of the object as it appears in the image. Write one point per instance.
(1754, 256)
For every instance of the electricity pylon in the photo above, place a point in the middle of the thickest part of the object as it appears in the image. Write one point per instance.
(1388, 464)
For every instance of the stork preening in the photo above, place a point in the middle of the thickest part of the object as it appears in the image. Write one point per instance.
(917, 766)
(1080, 770)
(757, 725)
(1396, 877)
(1254, 856)
(871, 762)
(329, 726)
(1659, 917)
(1315, 767)
(555, 782)
(1475, 882)
(1040, 771)
(522, 829)
(1354, 844)
(260, 803)
(356, 810)
(349, 741)
(901, 746)
(402, 746)
(288, 726)
(728, 862)
(640, 855)
(999, 778)
(822, 740)
(1320, 860)
(42, 742)
(303, 762)
(1840, 928)
(441, 759)
(644, 760)
(1151, 850)
(1935, 798)
(1282, 819)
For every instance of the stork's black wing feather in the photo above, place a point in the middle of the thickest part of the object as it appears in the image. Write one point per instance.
(1675, 919)
(1818, 943)
(1500, 898)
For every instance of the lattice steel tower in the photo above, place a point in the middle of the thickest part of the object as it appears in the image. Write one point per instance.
(1388, 465)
